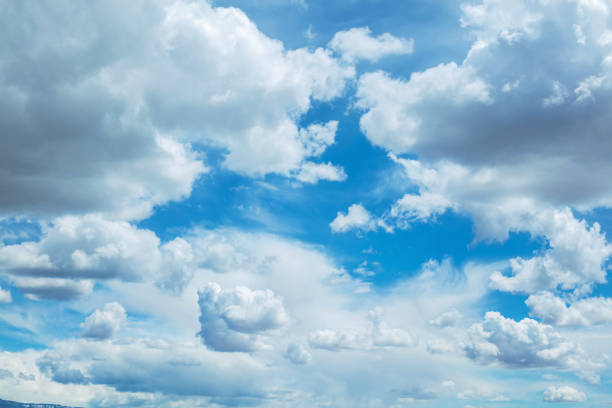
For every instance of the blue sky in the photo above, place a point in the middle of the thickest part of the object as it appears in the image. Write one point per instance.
(288, 203)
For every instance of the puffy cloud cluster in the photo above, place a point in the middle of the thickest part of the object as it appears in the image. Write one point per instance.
(233, 320)
(523, 344)
(379, 335)
(104, 324)
(107, 125)
(512, 136)
(576, 258)
(584, 312)
(75, 251)
(564, 393)
(358, 43)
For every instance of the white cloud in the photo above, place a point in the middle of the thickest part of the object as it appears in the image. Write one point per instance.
(75, 250)
(310, 172)
(5, 296)
(577, 253)
(447, 319)
(584, 312)
(563, 393)
(357, 218)
(576, 257)
(514, 158)
(392, 120)
(298, 354)
(104, 324)
(379, 335)
(358, 43)
(233, 320)
(523, 344)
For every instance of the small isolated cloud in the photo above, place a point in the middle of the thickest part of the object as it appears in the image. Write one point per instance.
(104, 324)
(563, 394)
(298, 354)
(234, 320)
(359, 44)
(311, 173)
(357, 218)
(5, 296)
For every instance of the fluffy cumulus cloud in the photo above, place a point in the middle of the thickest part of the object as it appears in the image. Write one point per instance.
(108, 125)
(564, 393)
(358, 43)
(523, 344)
(451, 112)
(583, 312)
(233, 320)
(75, 251)
(104, 324)
(357, 218)
(521, 167)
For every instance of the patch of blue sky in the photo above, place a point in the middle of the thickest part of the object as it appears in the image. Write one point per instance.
(15, 230)
(303, 211)
(27, 323)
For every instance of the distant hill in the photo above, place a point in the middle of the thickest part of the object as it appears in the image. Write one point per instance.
(13, 404)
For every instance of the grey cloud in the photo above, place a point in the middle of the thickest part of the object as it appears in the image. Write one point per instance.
(74, 251)
(60, 370)
(104, 324)
(99, 117)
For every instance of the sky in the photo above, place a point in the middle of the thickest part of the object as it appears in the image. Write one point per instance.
(303, 203)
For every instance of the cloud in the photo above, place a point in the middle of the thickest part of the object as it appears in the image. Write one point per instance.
(76, 250)
(563, 394)
(583, 313)
(313, 172)
(447, 319)
(577, 252)
(576, 258)
(358, 218)
(379, 335)
(298, 354)
(109, 125)
(146, 367)
(104, 324)
(358, 44)
(523, 344)
(512, 136)
(233, 320)
(5, 296)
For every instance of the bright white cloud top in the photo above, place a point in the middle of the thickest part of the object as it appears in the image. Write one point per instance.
(306, 204)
